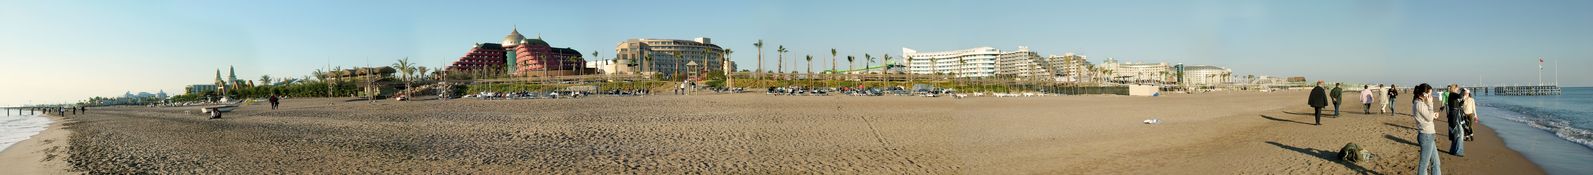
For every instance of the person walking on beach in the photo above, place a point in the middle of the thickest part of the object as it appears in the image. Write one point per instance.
(1318, 99)
(1338, 97)
(274, 101)
(1422, 111)
(1366, 98)
(1456, 147)
(1382, 98)
(1469, 108)
(1393, 92)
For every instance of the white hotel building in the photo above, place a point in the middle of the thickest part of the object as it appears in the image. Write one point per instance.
(978, 62)
(1203, 75)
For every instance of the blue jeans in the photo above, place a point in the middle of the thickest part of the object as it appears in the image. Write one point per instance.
(1457, 140)
(1429, 155)
(1391, 108)
(1335, 109)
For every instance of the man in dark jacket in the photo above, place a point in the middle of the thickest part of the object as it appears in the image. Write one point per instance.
(1318, 100)
(1338, 97)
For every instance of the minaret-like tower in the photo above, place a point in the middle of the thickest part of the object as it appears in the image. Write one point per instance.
(232, 74)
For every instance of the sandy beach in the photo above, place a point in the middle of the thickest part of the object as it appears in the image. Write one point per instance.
(1209, 133)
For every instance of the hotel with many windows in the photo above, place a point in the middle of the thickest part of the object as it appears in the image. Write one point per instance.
(980, 62)
(647, 56)
(520, 56)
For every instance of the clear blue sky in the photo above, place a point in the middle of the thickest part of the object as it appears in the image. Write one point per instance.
(59, 51)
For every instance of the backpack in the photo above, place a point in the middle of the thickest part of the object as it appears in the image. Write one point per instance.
(1354, 154)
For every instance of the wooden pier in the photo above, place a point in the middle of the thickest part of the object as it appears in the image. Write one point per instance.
(61, 111)
(1520, 90)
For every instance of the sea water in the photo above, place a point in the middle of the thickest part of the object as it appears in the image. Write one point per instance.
(1555, 132)
(16, 128)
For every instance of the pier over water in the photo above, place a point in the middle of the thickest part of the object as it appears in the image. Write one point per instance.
(1520, 90)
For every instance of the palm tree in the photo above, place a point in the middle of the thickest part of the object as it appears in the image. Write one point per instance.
(705, 53)
(406, 69)
(724, 65)
(851, 62)
(885, 64)
(423, 72)
(809, 75)
(832, 62)
(545, 72)
(265, 80)
(759, 73)
(909, 61)
(647, 63)
(781, 67)
(678, 58)
(594, 55)
(961, 63)
(866, 59)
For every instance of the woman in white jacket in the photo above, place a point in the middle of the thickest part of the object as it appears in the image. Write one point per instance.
(1469, 109)
(1422, 111)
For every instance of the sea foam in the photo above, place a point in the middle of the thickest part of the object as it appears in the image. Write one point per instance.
(16, 128)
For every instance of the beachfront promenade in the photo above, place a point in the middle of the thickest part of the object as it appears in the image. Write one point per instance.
(1207, 133)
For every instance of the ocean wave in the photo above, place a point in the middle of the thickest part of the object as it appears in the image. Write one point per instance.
(15, 129)
(1548, 121)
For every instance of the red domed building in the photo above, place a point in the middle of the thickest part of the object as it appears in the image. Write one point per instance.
(521, 56)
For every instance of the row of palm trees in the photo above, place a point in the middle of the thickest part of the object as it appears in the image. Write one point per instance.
(851, 60)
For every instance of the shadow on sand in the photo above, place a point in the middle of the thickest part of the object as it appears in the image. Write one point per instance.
(1326, 113)
(1325, 155)
(1400, 140)
(1399, 126)
(1284, 120)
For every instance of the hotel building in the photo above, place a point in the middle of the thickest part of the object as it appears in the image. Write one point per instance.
(520, 56)
(1072, 67)
(633, 56)
(1204, 75)
(1137, 72)
(979, 62)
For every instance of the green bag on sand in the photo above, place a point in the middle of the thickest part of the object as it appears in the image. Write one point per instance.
(1354, 153)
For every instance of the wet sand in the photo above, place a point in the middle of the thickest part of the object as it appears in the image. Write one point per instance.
(44, 153)
(1210, 133)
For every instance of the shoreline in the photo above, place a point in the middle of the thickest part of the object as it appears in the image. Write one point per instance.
(1549, 151)
(42, 153)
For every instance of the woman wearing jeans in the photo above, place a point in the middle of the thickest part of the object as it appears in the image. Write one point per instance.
(1393, 92)
(1422, 110)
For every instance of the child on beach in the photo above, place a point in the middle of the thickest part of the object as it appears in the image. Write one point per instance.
(1422, 111)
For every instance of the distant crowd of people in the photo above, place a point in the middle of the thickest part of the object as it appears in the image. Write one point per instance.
(1457, 104)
